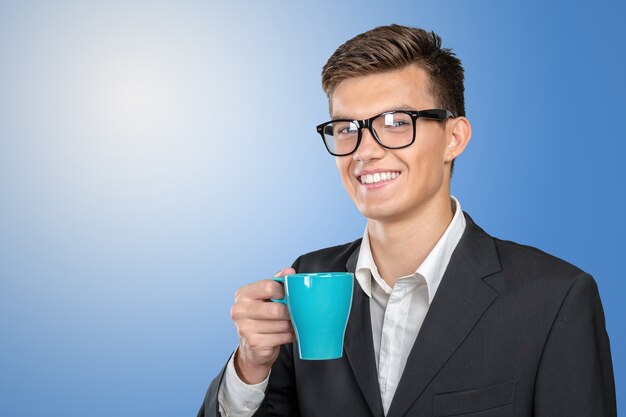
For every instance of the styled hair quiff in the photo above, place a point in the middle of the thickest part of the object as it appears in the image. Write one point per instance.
(393, 47)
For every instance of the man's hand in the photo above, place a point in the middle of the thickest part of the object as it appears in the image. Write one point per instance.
(262, 327)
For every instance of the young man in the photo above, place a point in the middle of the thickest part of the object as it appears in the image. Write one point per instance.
(446, 320)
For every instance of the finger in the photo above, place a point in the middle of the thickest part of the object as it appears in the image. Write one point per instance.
(249, 327)
(255, 310)
(261, 290)
(285, 271)
(265, 341)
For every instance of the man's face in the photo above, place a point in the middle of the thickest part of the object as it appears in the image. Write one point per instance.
(422, 169)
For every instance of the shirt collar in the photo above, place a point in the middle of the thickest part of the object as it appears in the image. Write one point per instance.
(432, 268)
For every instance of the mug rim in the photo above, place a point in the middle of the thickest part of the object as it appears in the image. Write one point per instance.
(320, 274)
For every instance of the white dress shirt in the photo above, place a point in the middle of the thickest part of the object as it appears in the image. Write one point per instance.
(396, 314)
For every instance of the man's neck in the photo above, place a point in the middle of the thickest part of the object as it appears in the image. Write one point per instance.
(400, 247)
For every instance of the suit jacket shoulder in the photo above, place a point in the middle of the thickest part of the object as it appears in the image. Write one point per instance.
(327, 259)
(529, 259)
(508, 265)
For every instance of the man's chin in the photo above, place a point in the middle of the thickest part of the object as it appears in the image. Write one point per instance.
(381, 214)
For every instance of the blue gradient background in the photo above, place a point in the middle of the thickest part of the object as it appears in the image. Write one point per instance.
(144, 176)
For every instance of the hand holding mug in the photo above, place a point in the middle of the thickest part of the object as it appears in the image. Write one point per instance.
(262, 327)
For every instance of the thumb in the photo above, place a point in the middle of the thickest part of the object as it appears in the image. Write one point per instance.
(285, 271)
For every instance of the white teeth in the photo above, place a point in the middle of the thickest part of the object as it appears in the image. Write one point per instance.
(378, 177)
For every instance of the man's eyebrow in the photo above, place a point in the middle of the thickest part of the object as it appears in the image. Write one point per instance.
(392, 108)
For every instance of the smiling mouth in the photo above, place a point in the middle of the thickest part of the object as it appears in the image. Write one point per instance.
(378, 177)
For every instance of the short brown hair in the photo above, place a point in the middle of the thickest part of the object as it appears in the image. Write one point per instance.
(388, 48)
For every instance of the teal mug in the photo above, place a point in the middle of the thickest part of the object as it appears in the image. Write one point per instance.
(319, 306)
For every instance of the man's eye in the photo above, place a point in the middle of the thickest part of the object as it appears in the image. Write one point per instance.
(399, 123)
(393, 121)
(345, 130)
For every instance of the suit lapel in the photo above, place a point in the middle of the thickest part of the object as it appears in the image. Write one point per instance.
(359, 346)
(459, 303)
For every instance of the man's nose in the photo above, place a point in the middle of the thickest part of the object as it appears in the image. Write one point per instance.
(369, 148)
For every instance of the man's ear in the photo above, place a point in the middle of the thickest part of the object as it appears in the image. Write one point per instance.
(459, 134)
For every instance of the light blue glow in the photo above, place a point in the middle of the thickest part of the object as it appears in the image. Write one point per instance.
(144, 174)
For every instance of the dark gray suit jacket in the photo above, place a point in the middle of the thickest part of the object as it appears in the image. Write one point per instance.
(512, 331)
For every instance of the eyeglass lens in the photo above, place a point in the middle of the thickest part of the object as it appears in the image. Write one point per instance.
(394, 130)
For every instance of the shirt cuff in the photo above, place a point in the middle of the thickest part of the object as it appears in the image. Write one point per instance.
(235, 397)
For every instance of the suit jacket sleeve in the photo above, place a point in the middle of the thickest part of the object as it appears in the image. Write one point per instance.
(281, 398)
(210, 406)
(280, 395)
(575, 375)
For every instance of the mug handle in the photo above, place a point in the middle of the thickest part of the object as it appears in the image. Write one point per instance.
(282, 281)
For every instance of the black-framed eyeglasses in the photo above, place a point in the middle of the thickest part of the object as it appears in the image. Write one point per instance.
(392, 130)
